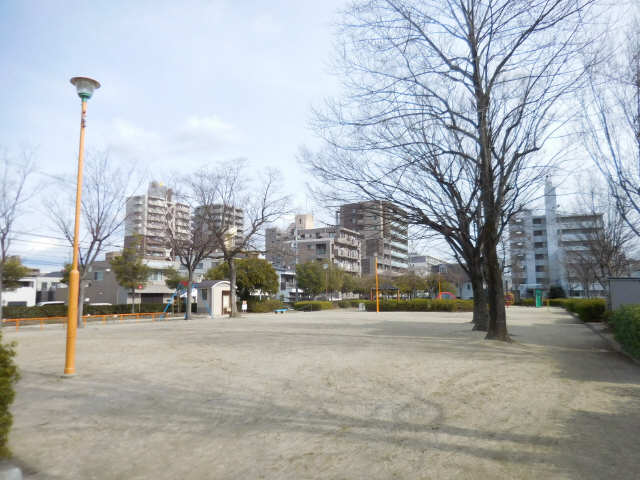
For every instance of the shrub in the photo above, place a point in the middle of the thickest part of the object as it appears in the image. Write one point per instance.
(421, 305)
(526, 302)
(349, 303)
(626, 327)
(8, 377)
(262, 306)
(313, 305)
(61, 310)
(587, 309)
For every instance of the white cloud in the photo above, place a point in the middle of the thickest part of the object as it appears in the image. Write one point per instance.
(205, 133)
(265, 24)
(195, 135)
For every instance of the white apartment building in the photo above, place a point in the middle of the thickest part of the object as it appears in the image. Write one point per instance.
(149, 218)
(543, 247)
(301, 243)
(423, 264)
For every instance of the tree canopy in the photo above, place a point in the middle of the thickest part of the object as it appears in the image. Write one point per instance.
(251, 274)
(12, 272)
(129, 269)
(173, 278)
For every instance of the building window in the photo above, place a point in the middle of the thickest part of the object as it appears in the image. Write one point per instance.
(98, 276)
(538, 244)
(44, 286)
(203, 292)
(538, 233)
(539, 268)
(537, 221)
(540, 256)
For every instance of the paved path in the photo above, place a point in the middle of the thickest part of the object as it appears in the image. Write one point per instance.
(331, 395)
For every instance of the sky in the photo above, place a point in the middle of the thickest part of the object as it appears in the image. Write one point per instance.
(184, 84)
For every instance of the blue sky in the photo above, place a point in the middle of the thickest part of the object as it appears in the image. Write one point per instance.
(183, 84)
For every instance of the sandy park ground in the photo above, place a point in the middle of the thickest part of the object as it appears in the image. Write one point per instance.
(331, 395)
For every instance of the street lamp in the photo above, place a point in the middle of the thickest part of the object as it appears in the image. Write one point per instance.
(85, 88)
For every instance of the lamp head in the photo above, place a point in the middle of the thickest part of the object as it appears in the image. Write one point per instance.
(85, 86)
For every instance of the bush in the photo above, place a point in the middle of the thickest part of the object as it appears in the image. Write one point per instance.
(626, 327)
(313, 305)
(262, 306)
(421, 305)
(526, 302)
(8, 377)
(61, 310)
(587, 309)
(349, 303)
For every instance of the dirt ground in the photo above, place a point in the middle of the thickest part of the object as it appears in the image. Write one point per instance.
(330, 395)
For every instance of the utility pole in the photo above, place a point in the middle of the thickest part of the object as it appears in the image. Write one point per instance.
(377, 292)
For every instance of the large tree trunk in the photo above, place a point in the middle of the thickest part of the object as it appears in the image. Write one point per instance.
(497, 313)
(187, 315)
(232, 288)
(480, 311)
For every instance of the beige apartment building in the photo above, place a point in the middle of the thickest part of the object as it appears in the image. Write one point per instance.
(384, 230)
(150, 217)
(301, 243)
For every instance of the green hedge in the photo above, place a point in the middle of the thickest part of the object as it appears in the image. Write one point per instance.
(61, 310)
(526, 302)
(262, 306)
(421, 305)
(8, 377)
(626, 327)
(349, 303)
(313, 305)
(587, 309)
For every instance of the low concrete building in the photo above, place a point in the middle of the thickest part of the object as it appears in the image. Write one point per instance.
(101, 286)
(46, 285)
(214, 297)
(22, 296)
(624, 291)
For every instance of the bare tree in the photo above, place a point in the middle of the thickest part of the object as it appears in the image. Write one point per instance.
(611, 122)
(104, 190)
(14, 175)
(233, 208)
(448, 103)
(190, 242)
(602, 241)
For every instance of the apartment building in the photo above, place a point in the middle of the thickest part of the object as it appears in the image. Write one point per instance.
(545, 248)
(384, 229)
(334, 244)
(223, 218)
(150, 217)
(301, 243)
(423, 264)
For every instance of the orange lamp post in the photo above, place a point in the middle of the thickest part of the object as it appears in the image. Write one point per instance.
(85, 88)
